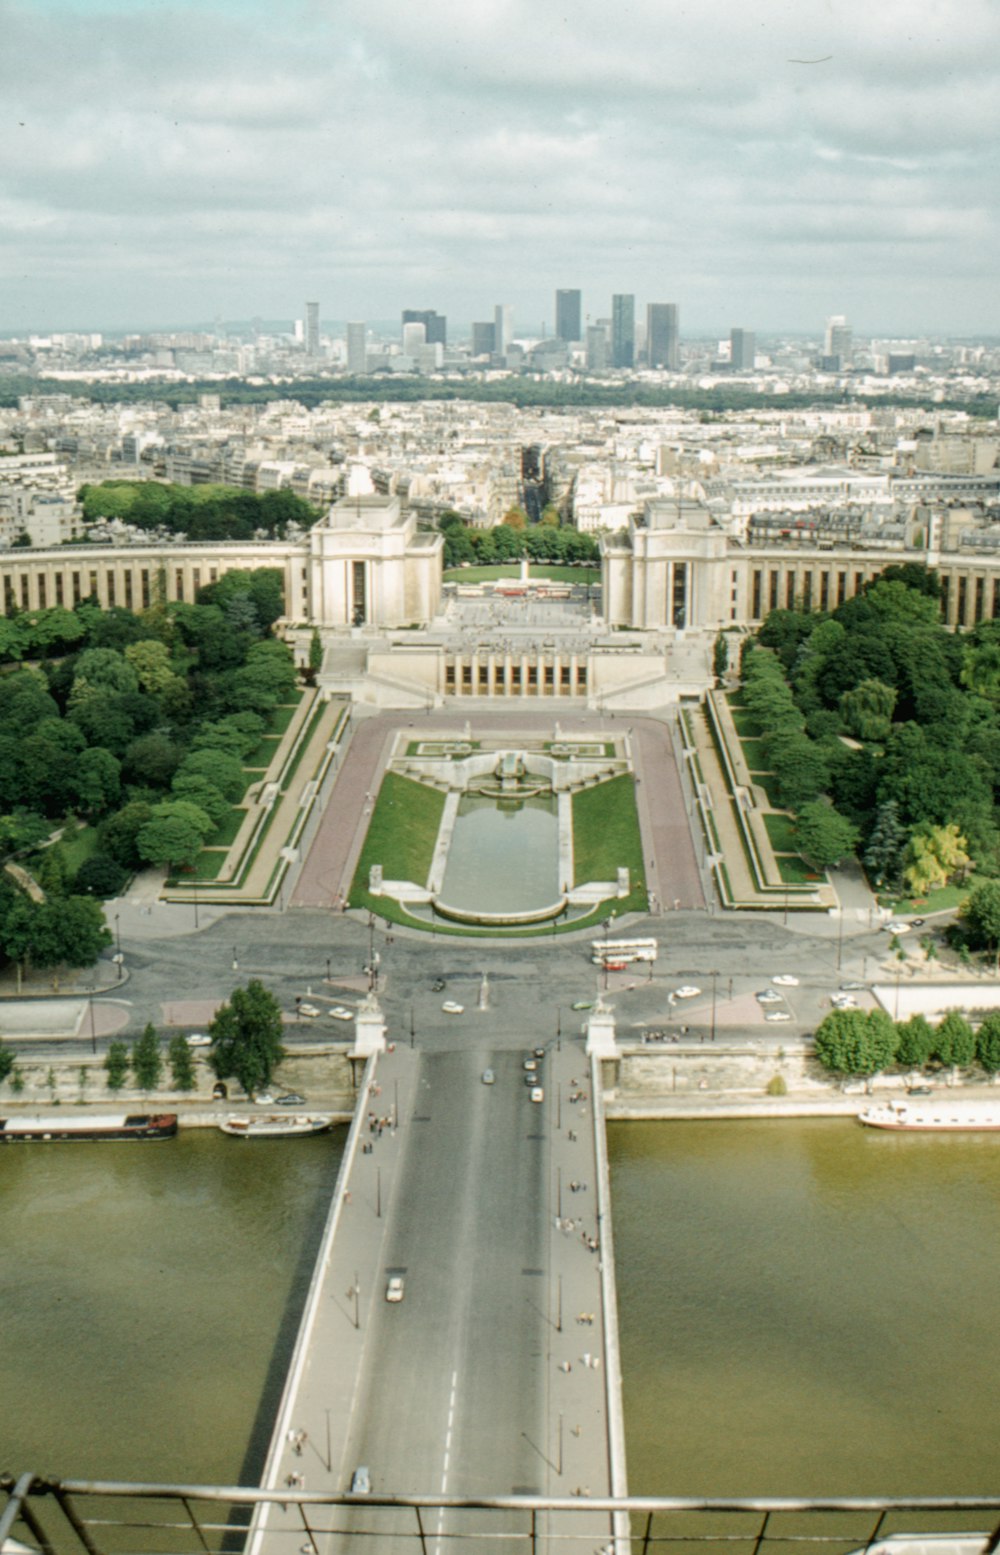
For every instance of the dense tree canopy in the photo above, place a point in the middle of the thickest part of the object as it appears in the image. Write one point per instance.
(246, 1037)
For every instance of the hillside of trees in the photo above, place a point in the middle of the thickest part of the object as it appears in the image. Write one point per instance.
(199, 512)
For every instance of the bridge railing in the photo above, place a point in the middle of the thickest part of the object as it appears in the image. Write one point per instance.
(83, 1517)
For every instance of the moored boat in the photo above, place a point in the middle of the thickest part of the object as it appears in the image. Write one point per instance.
(938, 1115)
(272, 1125)
(88, 1126)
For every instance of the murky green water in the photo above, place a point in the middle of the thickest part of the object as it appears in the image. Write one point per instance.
(806, 1308)
(504, 856)
(150, 1295)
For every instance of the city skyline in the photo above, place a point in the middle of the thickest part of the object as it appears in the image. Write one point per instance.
(780, 165)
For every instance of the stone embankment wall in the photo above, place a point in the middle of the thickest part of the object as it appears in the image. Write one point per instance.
(692, 1068)
(325, 1076)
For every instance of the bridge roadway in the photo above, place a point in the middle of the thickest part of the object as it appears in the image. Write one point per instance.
(483, 1381)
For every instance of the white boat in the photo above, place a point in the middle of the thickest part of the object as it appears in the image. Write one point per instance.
(274, 1125)
(935, 1115)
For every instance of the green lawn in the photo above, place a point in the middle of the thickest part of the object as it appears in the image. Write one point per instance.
(401, 836)
(206, 867)
(753, 751)
(747, 726)
(781, 830)
(282, 716)
(606, 838)
(264, 753)
(551, 572)
(769, 783)
(947, 898)
(795, 871)
(225, 832)
(78, 844)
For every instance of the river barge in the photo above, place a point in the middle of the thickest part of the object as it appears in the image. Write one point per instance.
(935, 1116)
(88, 1126)
(276, 1126)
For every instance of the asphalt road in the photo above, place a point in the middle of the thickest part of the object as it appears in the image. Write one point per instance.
(467, 1229)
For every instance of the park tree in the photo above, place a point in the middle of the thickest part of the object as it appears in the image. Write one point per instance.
(799, 765)
(223, 771)
(7, 1061)
(151, 662)
(117, 834)
(314, 660)
(988, 1043)
(198, 790)
(933, 855)
(884, 853)
(267, 677)
(98, 671)
(867, 709)
(147, 1059)
(97, 781)
(246, 1037)
(980, 914)
(855, 1042)
(182, 1077)
(152, 759)
(915, 1038)
(174, 833)
(954, 1041)
(720, 656)
(823, 835)
(63, 931)
(100, 875)
(116, 1064)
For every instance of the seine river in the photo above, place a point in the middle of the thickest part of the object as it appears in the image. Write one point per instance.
(806, 1307)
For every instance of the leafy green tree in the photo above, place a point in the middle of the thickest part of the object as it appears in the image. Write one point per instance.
(855, 1042)
(97, 780)
(933, 855)
(22, 830)
(980, 914)
(799, 765)
(147, 1059)
(152, 759)
(954, 1041)
(246, 1036)
(150, 659)
(101, 670)
(223, 771)
(199, 791)
(101, 876)
(267, 677)
(823, 835)
(314, 662)
(63, 931)
(116, 1063)
(867, 709)
(174, 833)
(117, 834)
(720, 656)
(988, 1043)
(182, 1076)
(916, 1040)
(7, 1061)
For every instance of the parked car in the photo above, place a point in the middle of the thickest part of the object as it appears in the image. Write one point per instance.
(530, 1063)
(686, 991)
(438, 985)
(777, 1015)
(198, 1039)
(341, 1012)
(537, 1094)
(290, 1099)
(310, 1011)
(843, 1001)
(264, 1099)
(785, 980)
(896, 926)
(489, 1078)
(395, 1287)
(583, 1004)
(451, 1008)
(767, 996)
(361, 1482)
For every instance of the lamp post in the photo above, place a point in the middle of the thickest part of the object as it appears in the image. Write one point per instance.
(93, 1032)
(194, 892)
(712, 1033)
(328, 969)
(118, 937)
(236, 960)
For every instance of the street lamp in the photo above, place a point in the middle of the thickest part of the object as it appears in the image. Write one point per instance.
(712, 1034)
(118, 937)
(236, 960)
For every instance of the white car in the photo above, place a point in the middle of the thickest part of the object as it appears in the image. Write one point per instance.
(767, 996)
(536, 1093)
(451, 1008)
(896, 926)
(777, 1015)
(309, 1010)
(843, 1001)
(686, 991)
(198, 1039)
(339, 1012)
(264, 1099)
(785, 980)
(394, 1289)
(489, 1078)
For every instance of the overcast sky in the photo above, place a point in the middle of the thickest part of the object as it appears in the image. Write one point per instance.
(758, 162)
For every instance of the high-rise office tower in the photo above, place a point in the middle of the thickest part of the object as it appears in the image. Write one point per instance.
(357, 350)
(598, 352)
(568, 316)
(414, 336)
(742, 350)
(484, 339)
(503, 324)
(623, 330)
(312, 329)
(838, 342)
(663, 341)
(435, 324)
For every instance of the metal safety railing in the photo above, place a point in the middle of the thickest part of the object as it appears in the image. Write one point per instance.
(82, 1517)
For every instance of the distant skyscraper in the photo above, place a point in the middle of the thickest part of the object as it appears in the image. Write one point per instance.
(434, 323)
(597, 345)
(663, 341)
(742, 350)
(357, 350)
(414, 336)
(312, 329)
(623, 330)
(484, 339)
(838, 341)
(568, 316)
(503, 324)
